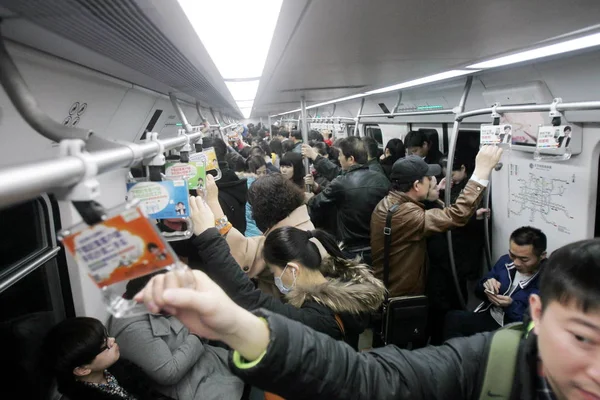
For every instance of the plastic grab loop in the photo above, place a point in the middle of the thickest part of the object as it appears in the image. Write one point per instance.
(88, 188)
(554, 114)
(84, 193)
(495, 114)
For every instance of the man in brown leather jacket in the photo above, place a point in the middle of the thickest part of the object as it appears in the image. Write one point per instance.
(411, 223)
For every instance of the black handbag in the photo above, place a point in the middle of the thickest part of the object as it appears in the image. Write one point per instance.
(404, 318)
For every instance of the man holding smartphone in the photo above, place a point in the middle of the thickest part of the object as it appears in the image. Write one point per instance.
(506, 289)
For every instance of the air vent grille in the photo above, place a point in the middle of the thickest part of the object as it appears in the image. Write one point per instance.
(118, 29)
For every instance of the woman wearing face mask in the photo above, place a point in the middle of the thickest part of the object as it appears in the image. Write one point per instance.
(87, 366)
(292, 168)
(334, 296)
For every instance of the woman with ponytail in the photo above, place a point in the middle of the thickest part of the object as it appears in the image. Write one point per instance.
(331, 294)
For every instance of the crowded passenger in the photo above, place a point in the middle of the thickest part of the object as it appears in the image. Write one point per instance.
(232, 189)
(292, 168)
(373, 155)
(255, 167)
(506, 289)
(315, 180)
(276, 151)
(556, 359)
(287, 146)
(180, 364)
(296, 137)
(352, 196)
(331, 294)
(276, 202)
(411, 224)
(427, 147)
(87, 364)
(394, 150)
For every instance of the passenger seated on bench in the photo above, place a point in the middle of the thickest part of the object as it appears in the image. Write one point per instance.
(506, 289)
(87, 366)
(180, 363)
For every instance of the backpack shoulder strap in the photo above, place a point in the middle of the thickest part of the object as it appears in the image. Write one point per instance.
(501, 365)
(340, 324)
(387, 242)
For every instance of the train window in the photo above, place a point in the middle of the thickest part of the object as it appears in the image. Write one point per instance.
(375, 132)
(24, 234)
(350, 129)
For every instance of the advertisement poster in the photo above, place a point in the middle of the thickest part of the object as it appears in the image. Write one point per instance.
(207, 156)
(194, 172)
(119, 249)
(553, 137)
(495, 134)
(161, 200)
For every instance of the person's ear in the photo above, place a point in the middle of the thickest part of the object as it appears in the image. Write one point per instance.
(416, 185)
(535, 310)
(81, 371)
(294, 269)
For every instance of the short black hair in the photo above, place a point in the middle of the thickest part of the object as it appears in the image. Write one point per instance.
(284, 133)
(403, 187)
(567, 128)
(321, 147)
(396, 148)
(297, 134)
(315, 136)
(572, 274)
(528, 235)
(295, 160)
(372, 146)
(257, 151)
(218, 144)
(273, 198)
(72, 343)
(275, 146)
(287, 145)
(253, 163)
(415, 139)
(354, 147)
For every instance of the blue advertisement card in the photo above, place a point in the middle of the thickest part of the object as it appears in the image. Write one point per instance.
(161, 200)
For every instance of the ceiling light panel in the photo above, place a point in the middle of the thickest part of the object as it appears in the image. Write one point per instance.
(244, 90)
(422, 81)
(546, 51)
(236, 33)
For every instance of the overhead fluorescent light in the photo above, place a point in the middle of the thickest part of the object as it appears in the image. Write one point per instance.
(246, 112)
(236, 33)
(354, 96)
(245, 104)
(244, 90)
(421, 81)
(546, 51)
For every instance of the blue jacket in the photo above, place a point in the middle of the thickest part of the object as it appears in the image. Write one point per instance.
(251, 229)
(504, 271)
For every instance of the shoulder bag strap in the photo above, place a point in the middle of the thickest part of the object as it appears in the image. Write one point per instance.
(387, 242)
(501, 365)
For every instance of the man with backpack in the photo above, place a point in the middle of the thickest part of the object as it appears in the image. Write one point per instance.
(559, 358)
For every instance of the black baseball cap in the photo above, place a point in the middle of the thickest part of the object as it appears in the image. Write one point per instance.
(413, 168)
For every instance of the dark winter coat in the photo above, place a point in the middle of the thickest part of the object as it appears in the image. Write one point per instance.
(353, 196)
(232, 196)
(303, 364)
(352, 292)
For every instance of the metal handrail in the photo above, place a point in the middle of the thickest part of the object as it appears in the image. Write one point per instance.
(408, 113)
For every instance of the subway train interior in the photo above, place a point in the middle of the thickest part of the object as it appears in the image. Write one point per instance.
(95, 90)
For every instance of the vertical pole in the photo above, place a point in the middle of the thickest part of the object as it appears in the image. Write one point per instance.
(305, 134)
(357, 119)
(451, 152)
(270, 128)
(398, 102)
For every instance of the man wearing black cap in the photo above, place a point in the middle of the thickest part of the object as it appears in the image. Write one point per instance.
(411, 223)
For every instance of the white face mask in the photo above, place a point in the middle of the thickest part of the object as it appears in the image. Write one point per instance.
(279, 283)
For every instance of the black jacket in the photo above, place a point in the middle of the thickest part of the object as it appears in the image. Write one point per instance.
(129, 376)
(232, 196)
(354, 195)
(387, 164)
(326, 168)
(376, 167)
(303, 364)
(315, 308)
